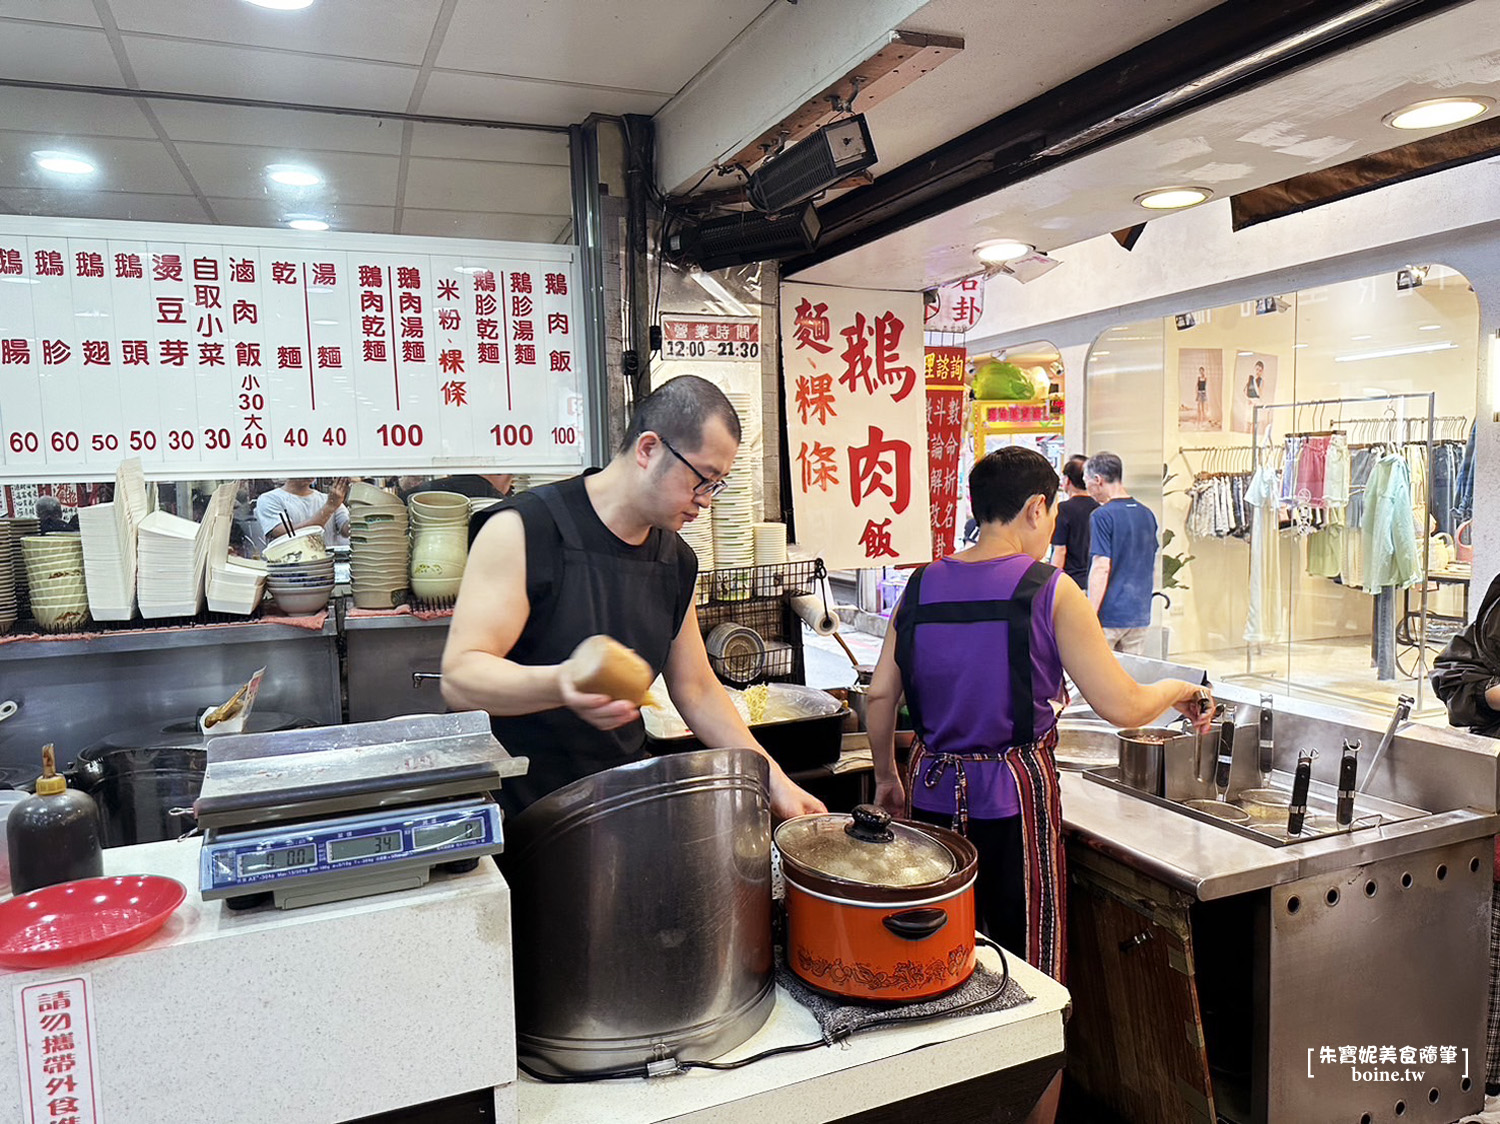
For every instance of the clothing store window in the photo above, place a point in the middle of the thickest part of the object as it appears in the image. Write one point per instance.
(1319, 518)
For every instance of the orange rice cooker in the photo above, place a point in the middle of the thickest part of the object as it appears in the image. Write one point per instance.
(876, 908)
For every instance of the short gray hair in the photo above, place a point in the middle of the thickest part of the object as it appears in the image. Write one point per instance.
(48, 506)
(1106, 466)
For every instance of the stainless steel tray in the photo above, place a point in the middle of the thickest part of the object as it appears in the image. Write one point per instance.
(1369, 811)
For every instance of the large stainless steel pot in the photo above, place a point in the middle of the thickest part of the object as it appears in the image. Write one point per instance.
(641, 913)
(137, 776)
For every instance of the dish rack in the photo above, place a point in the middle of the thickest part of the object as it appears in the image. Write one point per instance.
(758, 598)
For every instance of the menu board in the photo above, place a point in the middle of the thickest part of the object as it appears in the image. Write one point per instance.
(856, 424)
(218, 351)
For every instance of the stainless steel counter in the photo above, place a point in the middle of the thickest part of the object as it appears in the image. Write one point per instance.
(1209, 862)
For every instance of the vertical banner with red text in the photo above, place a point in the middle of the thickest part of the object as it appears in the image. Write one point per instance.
(856, 424)
(947, 398)
(55, 1037)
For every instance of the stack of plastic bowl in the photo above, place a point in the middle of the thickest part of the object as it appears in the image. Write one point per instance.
(237, 586)
(19, 529)
(439, 546)
(299, 571)
(379, 549)
(8, 612)
(54, 576)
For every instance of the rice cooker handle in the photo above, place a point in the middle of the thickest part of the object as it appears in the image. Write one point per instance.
(916, 924)
(870, 823)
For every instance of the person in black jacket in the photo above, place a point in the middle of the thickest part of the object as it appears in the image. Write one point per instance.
(1467, 678)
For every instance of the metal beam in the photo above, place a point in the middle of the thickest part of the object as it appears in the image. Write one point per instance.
(583, 156)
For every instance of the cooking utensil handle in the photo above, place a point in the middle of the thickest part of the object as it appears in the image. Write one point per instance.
(916, 924)
(1347, 770)
(1226, 758)
(1300, 784)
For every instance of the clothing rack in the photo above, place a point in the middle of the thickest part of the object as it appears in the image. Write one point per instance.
(1218, 459)
(1402, 412)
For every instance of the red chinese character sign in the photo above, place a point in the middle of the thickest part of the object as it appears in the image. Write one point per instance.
(856, 424)
(55, 1035)
(947, 398)
(958, 307)
(239, 353)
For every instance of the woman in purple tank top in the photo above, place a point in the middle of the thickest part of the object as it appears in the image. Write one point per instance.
(978, 646)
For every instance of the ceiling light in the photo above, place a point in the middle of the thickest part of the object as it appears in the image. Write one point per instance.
(1428, 327)
(65, 162)
(306, 222)
(281, 5)
(292, 175)
(1300, 346)
(1242, 354)
(997, 251)
(1356, 339)
(1173, 198)
(1437, 113)
(1446, 345)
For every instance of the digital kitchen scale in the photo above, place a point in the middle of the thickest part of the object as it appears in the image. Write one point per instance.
(311, 816)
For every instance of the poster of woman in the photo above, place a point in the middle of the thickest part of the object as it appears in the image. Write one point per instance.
(1254, 385)
(1200, 381)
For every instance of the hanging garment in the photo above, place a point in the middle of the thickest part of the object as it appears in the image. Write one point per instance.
(1463, 501)
(1263, 617)
(1391, 558)
(1312, 465)
(1446, 460)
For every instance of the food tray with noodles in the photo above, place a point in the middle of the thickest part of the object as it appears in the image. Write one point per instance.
(800, 727)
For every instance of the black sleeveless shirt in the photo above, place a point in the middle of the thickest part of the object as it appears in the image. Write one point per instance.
(581, 580)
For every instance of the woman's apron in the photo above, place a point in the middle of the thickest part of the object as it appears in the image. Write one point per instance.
(1030, 759)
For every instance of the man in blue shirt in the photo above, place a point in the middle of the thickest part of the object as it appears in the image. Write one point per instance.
(1122, 548)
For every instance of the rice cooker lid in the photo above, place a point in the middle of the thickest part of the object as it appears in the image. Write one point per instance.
(867, 847)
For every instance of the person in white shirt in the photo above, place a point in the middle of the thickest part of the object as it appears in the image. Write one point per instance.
(304, 506)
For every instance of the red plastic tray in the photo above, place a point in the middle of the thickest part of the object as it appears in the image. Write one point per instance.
(83, 920)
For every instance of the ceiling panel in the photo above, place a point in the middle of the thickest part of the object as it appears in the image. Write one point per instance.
(122, 165)
(468, 185)
(63, 113)
(81, 12)
(1312, 118)
(465, 224)
(393, 30)
(119, 205)
(654, 45)
(35, 52)
(473, 142)
(282, 76)
(484, 98)
(336, 132)
(266, 212)
(235, 171)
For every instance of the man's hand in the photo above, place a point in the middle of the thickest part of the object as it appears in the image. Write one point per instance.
(891, 795)
(1197, 703)
(599, 711)
(338, 492)
(789, 800)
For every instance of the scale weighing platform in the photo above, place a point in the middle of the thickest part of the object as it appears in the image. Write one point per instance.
(311, 816)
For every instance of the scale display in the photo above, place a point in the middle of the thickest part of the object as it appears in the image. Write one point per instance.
(361, 847)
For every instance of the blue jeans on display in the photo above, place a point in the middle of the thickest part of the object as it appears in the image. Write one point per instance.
(1383, 634)
(1444, 487)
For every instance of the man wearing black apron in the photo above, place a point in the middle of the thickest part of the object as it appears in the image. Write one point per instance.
(599, 553)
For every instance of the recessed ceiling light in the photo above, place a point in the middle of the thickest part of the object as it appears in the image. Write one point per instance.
(293, 175)
(997, 251)
(65, 162)
(1428, 327)
(1173, 198)
(306, 222)
(281, 5)
(1436, 113)
(1242, 354)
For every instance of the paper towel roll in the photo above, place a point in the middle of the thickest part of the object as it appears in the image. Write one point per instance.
(810, 608)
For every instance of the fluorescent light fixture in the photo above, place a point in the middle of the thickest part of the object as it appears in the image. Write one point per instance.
(292, 175)
(1174, 198)
(1300, 346)
(1099, 354)
(1242, 354)
(1391, 352)
(713, 288)
(282, 5)
(66, 163)
(1428, 327)
(1357, 339)
(998, 251)
(306, 222)
(1438, 113)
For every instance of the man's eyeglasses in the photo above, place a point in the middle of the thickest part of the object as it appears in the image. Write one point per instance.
(705, 487)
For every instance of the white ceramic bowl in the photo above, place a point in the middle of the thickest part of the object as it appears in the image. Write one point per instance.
(302, 601)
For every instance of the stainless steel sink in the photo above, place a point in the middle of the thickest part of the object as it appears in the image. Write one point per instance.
(1267, 823)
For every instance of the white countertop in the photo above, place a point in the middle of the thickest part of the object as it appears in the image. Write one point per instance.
(872, 1068)
(329, 1012)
